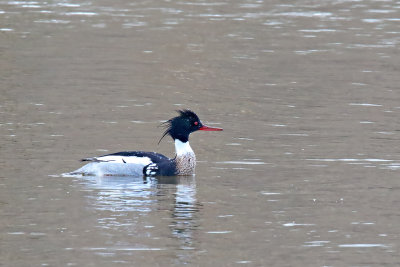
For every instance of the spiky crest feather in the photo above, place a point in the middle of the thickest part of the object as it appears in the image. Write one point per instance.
(169, 124)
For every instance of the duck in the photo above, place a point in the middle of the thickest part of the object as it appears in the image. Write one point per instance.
(142, 163)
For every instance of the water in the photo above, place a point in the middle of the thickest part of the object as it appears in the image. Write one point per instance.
(305, 172)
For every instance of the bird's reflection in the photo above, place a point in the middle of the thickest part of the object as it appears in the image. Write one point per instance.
(139, 199)
(185, 212)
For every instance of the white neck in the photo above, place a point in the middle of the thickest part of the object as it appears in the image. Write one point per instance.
(182, 148)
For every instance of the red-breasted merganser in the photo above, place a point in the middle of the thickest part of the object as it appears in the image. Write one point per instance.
(138, 163)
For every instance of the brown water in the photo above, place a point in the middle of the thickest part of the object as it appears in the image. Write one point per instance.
(306, 172)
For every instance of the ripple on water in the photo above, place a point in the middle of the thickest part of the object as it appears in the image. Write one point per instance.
(292, 224)
(16, 233)
(81, 13)
(68, 5)
(352, 160)
(387, 164)
(54, 21)
(219, 232)
(318, 30)
(392, 166)
(317, 243)
(308, 14)
(134, 24)
(270, 193)
(242, 162)
(365, 104)
(363, 246)
(306, 52)
(203, 3)
(123, 249)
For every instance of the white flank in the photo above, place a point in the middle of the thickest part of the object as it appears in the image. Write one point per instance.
(182, 148)
(109, 168)
(121, 159)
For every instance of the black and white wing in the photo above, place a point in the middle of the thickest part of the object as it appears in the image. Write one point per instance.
(136, 157)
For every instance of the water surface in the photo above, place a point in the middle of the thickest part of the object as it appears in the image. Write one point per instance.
(305, 172)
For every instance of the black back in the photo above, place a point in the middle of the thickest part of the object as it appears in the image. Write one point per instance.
(154, 157)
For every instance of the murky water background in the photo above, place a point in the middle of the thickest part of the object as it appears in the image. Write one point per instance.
(306, 172)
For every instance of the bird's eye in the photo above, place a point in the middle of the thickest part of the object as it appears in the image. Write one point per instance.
(196, 123)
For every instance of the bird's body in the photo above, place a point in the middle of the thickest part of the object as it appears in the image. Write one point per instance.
(138, 163)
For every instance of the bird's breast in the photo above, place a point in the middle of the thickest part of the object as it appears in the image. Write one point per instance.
(186, 164)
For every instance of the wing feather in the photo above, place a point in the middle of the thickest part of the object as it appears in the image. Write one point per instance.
(136, 157)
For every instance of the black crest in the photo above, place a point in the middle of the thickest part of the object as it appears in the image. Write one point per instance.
(181, 126)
